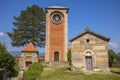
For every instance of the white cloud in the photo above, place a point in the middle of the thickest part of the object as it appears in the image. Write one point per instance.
(2, 34)
(115, 46)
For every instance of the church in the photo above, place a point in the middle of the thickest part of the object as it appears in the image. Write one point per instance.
(89, 50)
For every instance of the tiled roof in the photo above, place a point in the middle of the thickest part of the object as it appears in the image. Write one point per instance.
(90, 32)
(30, 48)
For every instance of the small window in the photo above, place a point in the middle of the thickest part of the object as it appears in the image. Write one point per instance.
(87, 40)
(24, 55)
(32, 54)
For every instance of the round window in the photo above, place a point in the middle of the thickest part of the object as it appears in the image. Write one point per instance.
(87, 40)
(56, 18)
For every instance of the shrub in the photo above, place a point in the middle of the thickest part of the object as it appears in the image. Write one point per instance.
(34, 72)
(69, 56)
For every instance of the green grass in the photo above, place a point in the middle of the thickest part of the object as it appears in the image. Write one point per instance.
(52, 73)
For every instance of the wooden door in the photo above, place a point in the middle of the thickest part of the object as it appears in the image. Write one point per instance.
(89, 63)
(56, 56)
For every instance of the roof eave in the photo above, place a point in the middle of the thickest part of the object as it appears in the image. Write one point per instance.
(29, 51)
(95, 34)
(58, 8)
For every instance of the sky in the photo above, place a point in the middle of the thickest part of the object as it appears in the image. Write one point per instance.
(101, 16)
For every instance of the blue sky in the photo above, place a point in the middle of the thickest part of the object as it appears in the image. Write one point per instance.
(102, 17)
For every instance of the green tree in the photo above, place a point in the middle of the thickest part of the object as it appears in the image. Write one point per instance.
(29, 27)
(112, 57)
(69, 56)
(7, 62)
(118, 57)
(33, 72)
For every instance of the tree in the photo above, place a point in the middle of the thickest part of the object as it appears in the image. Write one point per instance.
(29, 27)
(69, 56)
(7, 62)
(112, 56)
(118, 56)
(33, 72)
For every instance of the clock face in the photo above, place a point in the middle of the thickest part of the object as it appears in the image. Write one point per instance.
(56, 18)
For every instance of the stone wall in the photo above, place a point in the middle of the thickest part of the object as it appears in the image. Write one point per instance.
(28, 57)
(97, 48)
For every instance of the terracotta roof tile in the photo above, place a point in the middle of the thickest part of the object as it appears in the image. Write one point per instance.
(30, 48)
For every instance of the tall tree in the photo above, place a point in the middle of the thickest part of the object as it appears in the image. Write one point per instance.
(29, 27)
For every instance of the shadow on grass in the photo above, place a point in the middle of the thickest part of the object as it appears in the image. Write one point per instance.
(68, 69)
(115, 72)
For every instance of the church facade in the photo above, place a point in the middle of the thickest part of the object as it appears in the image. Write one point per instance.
(89, 52)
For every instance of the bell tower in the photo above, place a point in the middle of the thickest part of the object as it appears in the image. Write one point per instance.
(56, 34)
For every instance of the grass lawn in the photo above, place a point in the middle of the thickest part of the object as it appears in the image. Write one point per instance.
(51, 73)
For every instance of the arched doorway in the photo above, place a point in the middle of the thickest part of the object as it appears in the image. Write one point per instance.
(56, 56)
(88, 59)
